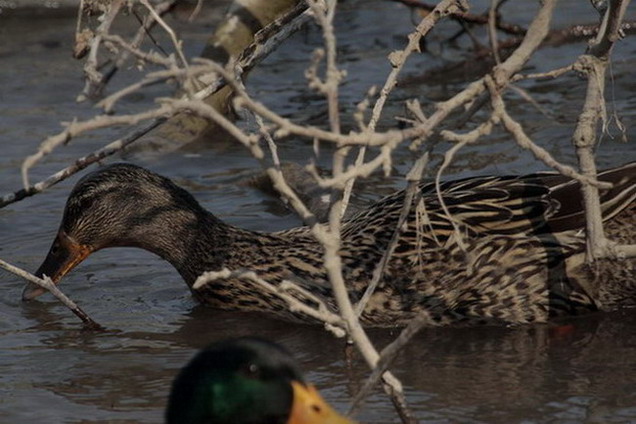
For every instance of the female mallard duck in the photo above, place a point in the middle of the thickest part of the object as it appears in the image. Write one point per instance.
(521, 259)
(246, 381)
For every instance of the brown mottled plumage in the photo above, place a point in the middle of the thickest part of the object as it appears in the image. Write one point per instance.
(520, 259)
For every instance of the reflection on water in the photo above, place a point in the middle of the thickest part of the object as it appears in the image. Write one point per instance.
(581, 370)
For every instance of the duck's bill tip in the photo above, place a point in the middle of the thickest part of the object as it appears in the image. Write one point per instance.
(310, 408)
(31, 291)
(64, 255)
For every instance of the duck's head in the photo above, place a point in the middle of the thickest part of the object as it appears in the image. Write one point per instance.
(246, 381)
(122, 205)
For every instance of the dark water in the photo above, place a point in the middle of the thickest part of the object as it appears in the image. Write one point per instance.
(51, 371)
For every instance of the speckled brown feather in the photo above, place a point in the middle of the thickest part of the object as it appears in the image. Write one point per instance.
(514, 269)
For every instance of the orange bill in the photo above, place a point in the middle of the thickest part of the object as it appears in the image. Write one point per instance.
(64, 255)
(310, 408)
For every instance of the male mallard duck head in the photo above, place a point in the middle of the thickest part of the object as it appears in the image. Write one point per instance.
(123, 205)
(246, 381)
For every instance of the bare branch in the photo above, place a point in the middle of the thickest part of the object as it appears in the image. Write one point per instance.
(414, 177)
(78, 165)
(499, 110)
(388, 354)
(47, 284)
(75, 128)
(594, 65)
(285, 291)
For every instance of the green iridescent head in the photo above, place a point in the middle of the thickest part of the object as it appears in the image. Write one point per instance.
(245, 381)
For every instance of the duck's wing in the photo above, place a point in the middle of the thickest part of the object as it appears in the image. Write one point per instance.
(532, 204)
(478, 205)
(571, 213)
(490, 205)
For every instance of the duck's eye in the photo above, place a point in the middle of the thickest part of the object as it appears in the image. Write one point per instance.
(55, 248)
(316, 409)
(252, 370)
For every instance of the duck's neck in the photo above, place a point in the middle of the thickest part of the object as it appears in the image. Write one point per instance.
(193, 244)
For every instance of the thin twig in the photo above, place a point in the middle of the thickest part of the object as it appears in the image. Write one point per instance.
(284, 290)
(75, 128)
(398, 60)
(492, 30)
(78, 165)
(388, 354)
(173, 36)
(144, 30)
(460, 140)
(467, 18)
(499, 111)
(413, 177)
(93, 76)
(47, 284)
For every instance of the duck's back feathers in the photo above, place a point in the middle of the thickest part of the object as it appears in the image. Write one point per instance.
(534, 204)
